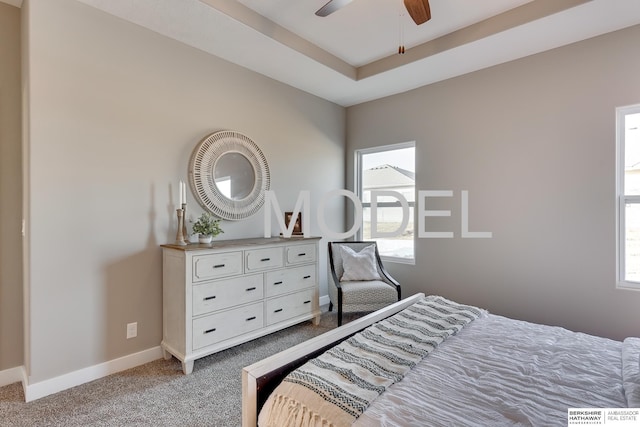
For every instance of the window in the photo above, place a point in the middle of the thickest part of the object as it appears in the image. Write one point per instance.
(628, 193)
(385, 183)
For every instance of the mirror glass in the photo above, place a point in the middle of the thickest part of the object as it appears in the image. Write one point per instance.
(234, 176)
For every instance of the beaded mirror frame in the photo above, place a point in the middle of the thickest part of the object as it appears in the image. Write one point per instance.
(209, 155)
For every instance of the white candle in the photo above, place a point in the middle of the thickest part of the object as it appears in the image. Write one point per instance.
(184, 193)
(180, 195)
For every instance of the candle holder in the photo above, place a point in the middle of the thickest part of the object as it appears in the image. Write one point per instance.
(180, 236)
(185, 233)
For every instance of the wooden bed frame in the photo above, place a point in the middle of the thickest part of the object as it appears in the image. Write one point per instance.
(261, 378)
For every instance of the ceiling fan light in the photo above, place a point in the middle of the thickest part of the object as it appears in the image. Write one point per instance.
(419, 10)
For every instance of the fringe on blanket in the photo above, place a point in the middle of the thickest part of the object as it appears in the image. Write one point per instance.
(287, 410)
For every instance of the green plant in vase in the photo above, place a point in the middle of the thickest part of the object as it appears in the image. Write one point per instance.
(207, 227)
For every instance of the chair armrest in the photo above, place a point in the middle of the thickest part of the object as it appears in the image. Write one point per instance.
(387, 277)
(336, 282)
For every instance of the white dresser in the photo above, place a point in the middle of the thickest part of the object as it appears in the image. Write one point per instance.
(232, 291)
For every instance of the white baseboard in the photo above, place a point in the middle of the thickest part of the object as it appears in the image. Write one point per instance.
(54, 385)
(324, 300)
(10, 376)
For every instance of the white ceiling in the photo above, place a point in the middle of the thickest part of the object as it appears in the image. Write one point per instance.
(351, 56)
(367, 30)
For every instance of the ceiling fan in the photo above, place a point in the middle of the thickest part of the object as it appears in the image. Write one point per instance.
(418, 9)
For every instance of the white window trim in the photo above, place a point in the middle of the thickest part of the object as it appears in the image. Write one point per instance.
(358, 190)
(621, 199)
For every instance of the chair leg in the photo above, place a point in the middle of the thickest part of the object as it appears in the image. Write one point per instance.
(340, 307)
(330, 306)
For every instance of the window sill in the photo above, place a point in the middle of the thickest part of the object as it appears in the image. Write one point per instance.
(408, 261)
(628, 286)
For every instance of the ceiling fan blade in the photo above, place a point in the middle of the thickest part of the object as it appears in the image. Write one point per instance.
(419, 10)
(331, 7)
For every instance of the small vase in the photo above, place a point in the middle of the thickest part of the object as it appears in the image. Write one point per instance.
(205, 238)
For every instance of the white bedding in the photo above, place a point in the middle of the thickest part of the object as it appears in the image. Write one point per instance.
(631, 371)
(499, 371)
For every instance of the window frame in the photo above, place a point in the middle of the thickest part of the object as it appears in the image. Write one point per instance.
(358, 153)
(622, 199)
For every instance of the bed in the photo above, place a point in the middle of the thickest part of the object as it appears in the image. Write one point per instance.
(480, 369)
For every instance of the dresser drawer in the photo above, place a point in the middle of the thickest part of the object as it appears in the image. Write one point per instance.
(263, 259)
(289, 280)
(213, 266)
(290, 306)
(298, 254)
(227, 324)
(225, 293)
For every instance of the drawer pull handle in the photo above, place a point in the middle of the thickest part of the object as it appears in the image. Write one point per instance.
(306, 277)
(209, 298)
(210, 330)
(277, 311)
(218, 266)
(251, 289)
(251, 318)
(277, 283)
(265, 259)
(302, 254)
(307, 302)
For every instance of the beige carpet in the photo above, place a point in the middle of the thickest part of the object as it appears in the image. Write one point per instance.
(158, 393)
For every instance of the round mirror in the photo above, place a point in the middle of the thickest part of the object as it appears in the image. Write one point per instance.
(229, 175)
(234, 176)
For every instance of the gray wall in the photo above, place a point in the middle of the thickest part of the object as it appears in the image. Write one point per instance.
(534, 143)
(115, 111)
(11, 343)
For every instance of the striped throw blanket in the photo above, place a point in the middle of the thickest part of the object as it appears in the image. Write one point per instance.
(335, 388)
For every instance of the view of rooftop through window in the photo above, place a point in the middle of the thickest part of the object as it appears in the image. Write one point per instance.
(389, 169)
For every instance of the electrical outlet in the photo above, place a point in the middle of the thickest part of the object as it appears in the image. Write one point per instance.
(132, 330)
